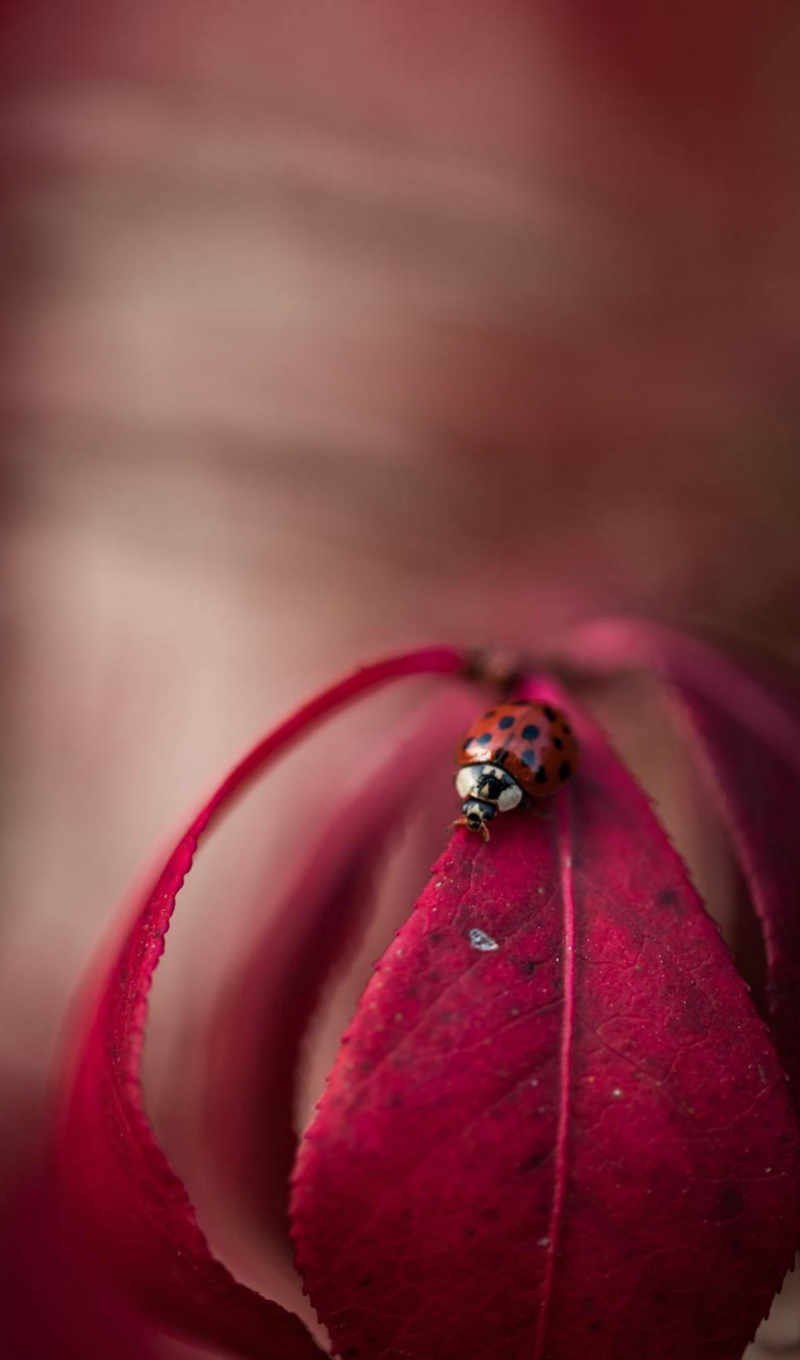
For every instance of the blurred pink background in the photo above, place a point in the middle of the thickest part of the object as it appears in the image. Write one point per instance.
(333, 329)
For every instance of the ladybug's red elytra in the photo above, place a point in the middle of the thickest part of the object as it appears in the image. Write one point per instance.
(517, 751)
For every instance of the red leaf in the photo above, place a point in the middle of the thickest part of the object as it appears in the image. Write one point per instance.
(746, 721)
(557, 1127)
(116, 1178)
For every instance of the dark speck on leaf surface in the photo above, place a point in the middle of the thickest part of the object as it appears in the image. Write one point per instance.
(730, 1202)
(535, 1159)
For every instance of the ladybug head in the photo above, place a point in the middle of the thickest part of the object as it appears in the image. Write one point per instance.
(477, 813)
(484, 791)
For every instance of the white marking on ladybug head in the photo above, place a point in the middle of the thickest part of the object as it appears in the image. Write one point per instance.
(489, 784)
(467, 781)
(510, 797)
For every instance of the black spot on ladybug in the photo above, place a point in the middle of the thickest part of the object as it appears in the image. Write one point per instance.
(558, 743)
(484, 738)
(507, 721)
(529, 757)
(549, 713)
(541, 775)
(531, 732)
(564, 770)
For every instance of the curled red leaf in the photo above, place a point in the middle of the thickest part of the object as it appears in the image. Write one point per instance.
(262, 1024)
(557, 1126)
(116, 1179)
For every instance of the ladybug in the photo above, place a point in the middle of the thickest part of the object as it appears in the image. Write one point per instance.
(515, 752)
